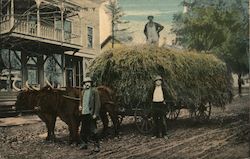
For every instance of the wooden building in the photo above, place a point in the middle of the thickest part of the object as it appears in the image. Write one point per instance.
(49, 40)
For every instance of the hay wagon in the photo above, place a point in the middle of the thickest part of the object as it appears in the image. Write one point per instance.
(195, 81)
(143, 117)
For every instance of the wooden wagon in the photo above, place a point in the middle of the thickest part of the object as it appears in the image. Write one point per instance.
(199, 110)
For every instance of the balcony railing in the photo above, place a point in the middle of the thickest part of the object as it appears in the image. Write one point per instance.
(46, 32)
(4, 24)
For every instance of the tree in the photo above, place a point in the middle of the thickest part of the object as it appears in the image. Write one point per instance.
(218, 26)
(116, 14)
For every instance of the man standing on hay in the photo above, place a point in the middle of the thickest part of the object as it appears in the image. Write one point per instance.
(159, 108)
(152, 31)
(90, 102)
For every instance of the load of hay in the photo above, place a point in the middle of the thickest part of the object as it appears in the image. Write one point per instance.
(189, 76)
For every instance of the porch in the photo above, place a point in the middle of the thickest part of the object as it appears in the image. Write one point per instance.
(40, 20)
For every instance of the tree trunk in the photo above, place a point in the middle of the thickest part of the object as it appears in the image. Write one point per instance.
(239, 84)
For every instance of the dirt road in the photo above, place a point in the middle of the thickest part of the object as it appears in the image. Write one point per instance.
(226, 135)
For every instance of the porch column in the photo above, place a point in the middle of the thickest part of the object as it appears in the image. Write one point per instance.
(9, 77)
(64, 69)
(24, 68)
(27, 19)
(12, 20)
(81, 26)
(38, 3)
(74, 72)
(81, 34)
(40, 63)
(62, 25)
(85, 67)
(79, 74)
(55, 37)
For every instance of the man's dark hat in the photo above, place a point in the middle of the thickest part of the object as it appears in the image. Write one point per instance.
(150, 16)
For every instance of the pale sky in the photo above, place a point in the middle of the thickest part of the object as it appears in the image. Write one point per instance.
(136, 11)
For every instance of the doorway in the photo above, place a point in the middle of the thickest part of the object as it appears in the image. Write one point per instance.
(74, 71)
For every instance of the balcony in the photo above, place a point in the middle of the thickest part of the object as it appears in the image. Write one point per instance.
(48, 34)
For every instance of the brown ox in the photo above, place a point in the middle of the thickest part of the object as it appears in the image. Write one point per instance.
(51, 103)
(26, 100)
(108, 105)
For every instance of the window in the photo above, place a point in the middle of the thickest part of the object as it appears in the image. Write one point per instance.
(32, 24)
(74, 71)
(10, 69)
(90, 37)
(67, 31)
(67, 26)
(32, 69)
(53, 69)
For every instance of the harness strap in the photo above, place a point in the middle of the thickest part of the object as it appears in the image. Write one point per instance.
(72, 98)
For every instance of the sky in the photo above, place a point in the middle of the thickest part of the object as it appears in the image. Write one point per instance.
(136, 12)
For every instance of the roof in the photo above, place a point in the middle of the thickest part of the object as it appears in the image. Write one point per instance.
(67, 3)
(99, 1)
(89, 3)
(107, 40)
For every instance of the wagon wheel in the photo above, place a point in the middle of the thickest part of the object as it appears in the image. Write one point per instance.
(173, 110)
(203, 112)
(121, 115)
(143, 119)
(173, 114)
(120, 119)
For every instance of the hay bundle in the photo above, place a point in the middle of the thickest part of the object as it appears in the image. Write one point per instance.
(189, 76)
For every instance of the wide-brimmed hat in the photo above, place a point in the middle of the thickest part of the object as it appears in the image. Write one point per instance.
(87, 79)
(158, 78)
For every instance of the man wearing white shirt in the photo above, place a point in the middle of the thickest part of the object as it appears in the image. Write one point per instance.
(159, 108)
(152, 31)
(90, 109)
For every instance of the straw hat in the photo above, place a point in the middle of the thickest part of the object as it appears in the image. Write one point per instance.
(158, 78)
(87, 79)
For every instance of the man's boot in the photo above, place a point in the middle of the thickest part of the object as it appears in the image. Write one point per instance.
(84, 145)
(97, 147)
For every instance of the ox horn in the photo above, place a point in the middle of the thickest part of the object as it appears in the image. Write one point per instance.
(36, 88)
(27, 85)
(14, 85)
(60, 88)
(53, 85)
(48, 83)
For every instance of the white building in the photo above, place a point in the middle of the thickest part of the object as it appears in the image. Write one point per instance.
(49, 39)
(96, 28)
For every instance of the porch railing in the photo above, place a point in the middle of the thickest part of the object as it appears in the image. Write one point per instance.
(46, 32)
(4, 24)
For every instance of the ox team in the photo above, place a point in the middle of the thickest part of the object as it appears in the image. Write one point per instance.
(91, 108)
